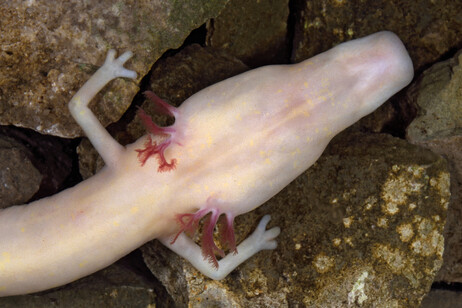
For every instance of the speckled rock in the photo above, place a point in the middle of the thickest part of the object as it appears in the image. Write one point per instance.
(48, 50)
(361, 228)
(19, 179)
(253, 31)
(428, 28)
(438, 126)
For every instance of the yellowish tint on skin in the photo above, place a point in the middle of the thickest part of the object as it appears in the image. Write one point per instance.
(192, 118)
(209, 140)
(6, 258)
(195, 187)
(295, 152)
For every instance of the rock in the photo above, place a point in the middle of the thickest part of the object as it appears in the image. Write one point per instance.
(49, 50)
(437, 96)
(51, 156)
(20, 179)
(115, 286)
(252, 31)
(362, 227)
(90, 162)
(442, 299)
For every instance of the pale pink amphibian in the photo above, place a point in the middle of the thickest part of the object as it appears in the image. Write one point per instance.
(233, 146)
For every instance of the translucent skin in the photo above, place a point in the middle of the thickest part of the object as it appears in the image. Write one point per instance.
(236, 144)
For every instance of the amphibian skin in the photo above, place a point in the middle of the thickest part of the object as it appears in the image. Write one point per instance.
(232, 147)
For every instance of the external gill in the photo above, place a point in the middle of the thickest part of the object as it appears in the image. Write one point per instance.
(151, 147)
(190, 221)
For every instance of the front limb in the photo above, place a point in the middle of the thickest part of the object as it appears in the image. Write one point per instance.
(260, 239)
(107, 147)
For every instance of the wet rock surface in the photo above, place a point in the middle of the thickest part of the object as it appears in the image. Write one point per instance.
(437, 97)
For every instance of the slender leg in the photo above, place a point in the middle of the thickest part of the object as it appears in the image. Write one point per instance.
(107, 147)
(260, 239)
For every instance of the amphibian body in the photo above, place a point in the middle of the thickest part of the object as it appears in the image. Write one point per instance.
(232, 147)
